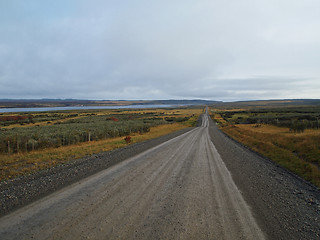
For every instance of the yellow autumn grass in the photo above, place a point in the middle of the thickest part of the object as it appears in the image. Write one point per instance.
(45, 123)
(298, 152)
(181, 112)
(23, 163)
(270, 129)
(217, 117)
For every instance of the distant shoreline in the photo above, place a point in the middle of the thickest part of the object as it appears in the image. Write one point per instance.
(50, 103)
(46, 109)
(21, 105)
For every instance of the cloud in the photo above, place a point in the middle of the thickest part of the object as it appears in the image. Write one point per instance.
(169, 49)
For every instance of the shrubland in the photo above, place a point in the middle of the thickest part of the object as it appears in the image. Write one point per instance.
(57, 137)
(289, 136)
(69, 128)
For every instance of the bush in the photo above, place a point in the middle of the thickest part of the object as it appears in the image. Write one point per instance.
(127, 139)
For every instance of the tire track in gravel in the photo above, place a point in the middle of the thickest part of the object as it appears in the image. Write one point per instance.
(180, 189)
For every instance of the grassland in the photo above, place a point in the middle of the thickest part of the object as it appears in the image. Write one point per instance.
(277, 134)
(30, 142)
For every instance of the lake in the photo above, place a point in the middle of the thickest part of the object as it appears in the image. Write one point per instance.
(46, 109)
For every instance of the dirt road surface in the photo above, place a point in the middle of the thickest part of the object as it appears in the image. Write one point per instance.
(180, 189)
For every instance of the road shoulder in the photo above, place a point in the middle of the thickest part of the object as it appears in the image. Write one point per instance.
(285, 206)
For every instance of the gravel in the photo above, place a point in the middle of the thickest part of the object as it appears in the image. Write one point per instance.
(23, 190)
(286, 206)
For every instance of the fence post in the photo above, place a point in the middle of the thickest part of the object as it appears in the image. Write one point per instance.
(9, 147)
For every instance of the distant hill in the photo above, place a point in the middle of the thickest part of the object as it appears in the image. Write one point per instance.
(269, 103)
(30, 103)
(180, 102)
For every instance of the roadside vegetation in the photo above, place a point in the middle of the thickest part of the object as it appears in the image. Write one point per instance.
(34, 141)
(290, 136)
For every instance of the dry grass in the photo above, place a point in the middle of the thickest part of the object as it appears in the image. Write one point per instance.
(45, 123)
(19, 164)
(217, 117)
(183, 112)
(298, 152)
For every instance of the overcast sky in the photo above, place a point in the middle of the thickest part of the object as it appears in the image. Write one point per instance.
(145, 49)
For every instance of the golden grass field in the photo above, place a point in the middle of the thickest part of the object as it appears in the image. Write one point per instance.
(298, 152)
(166, 113)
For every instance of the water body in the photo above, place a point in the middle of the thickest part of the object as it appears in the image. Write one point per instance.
(46, 109)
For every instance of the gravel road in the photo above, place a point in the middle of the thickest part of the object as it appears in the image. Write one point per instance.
(198, 185)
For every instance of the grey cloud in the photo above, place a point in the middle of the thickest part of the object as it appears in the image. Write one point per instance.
(169, 49)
